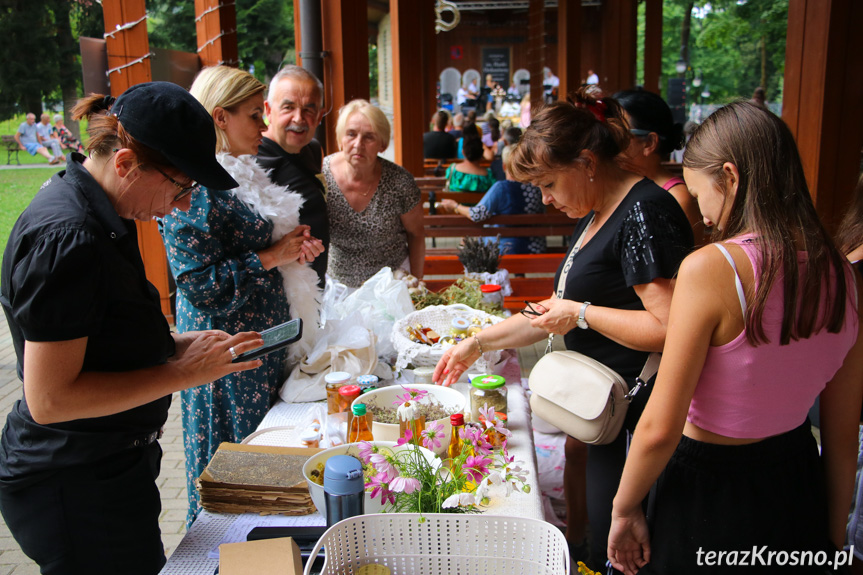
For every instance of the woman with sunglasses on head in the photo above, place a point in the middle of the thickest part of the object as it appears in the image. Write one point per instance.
(614, 285)
(239, 257)
(762, 322)
(78, 454)
(654, 136)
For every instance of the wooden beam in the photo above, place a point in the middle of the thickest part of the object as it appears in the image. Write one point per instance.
(652, 45)
(129, 63)
(298, 41)
(347, 63)
(569, 45)
(407, 19)
(822, 92)
(619, 32)
(216, 27)
(536, 51)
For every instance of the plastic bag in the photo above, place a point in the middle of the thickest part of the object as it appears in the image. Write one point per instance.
(500, 277)
(342, 345)
(380, 301)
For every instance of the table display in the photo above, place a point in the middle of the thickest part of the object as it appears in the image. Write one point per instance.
(197, 552)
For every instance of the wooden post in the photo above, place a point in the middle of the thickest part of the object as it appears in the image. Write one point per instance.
(619, 31)
(347, 63)
(407, 19)
(569, 45)
(216, 26)
(821, 98)
(128, 64)
(536, 51)
(652, 45)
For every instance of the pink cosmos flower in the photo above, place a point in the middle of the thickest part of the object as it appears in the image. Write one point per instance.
(412, 394)
(380, 486)
(382, 464)
(476, 467)
(477, 439)
(432, 435)
(406, 439)
(487, 413)
(366, 451)
(403, 484)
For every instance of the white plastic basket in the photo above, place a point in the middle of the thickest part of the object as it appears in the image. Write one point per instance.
(444, 543)
(439, 318)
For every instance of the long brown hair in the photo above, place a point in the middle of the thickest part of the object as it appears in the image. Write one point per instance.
(559, 131)
(772, 202)
(850, 233)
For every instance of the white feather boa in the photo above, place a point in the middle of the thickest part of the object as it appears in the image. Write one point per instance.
(282, 207)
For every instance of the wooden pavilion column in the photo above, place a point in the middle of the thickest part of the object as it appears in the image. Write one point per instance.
(652, 45)
(822, 95)
(346, 66)
(409, 20)
(569, 46)
(536, 51)
(216, 26)
(128, 64)
(619, 33)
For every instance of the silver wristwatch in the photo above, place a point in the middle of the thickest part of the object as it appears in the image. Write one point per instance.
(581, 322)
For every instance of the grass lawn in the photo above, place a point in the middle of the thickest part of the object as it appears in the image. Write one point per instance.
(17, 188)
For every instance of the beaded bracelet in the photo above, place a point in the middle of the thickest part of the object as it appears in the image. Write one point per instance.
(478, 344)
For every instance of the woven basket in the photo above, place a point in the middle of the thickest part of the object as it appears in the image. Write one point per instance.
(444, 543)
(439, 318)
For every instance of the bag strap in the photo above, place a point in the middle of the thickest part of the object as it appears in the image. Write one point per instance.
(561, 281)
(651, 366)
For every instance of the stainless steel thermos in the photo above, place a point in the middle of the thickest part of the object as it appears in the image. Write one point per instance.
(344, 488)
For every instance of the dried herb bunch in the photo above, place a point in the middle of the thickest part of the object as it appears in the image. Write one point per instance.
(478, 256)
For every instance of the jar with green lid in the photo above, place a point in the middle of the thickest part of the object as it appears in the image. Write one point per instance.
(487, 390)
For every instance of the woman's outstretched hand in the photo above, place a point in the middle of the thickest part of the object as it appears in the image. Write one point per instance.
(455, 361)
(298, 245)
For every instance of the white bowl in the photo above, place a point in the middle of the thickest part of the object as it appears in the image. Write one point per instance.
(451, 399)
(370, 505)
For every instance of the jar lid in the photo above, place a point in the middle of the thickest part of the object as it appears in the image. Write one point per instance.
(460, 323)
(359, 409)
(367, 380)
(456, 419)
(337, 377)
(487, 381)
(489, 288)
(349, 390)
(310, 435)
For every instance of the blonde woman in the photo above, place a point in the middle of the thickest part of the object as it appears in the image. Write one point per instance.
(373, 205)
(239, 258)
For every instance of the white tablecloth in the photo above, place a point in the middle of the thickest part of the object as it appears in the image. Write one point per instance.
(211, 529)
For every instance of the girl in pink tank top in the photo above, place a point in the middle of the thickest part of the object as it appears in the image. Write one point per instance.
(760, 325)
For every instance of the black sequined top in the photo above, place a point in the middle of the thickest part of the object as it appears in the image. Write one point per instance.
(645, 238)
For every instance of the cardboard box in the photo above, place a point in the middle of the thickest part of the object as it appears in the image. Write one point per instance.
(279, 556)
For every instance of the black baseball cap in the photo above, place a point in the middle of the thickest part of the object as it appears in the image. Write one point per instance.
(168, 119)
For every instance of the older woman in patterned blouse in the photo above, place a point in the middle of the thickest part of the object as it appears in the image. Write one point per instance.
(373, 205)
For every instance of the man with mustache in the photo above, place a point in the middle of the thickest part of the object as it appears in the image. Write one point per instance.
(289, 152)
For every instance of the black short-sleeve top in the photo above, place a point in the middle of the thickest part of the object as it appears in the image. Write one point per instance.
(645, 238)
(72, 269)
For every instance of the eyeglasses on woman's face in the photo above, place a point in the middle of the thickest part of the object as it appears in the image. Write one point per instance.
(182, 191)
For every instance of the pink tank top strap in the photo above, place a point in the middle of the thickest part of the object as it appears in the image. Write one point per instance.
(673, 182)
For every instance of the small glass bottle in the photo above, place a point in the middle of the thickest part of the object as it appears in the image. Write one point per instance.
(359, 425)
(457, 422)
(335, 381)
(487, 390)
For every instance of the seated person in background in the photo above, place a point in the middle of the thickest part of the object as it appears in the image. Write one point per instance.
(506, 197)
(457, 125)
(45, 135)
(29, 141)
(490, 138)
(437, 144)
(469, 176)
(64, 134)
(510, 137)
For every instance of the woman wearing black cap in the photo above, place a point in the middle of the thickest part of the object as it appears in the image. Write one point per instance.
(78, 455)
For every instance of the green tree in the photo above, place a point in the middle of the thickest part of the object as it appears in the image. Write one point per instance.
(171, 25)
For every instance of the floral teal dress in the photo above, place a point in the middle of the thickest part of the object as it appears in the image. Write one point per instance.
(462, 182)
(221, 284)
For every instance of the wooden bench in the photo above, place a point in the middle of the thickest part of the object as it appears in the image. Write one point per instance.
(12, 147)
(437, 168)
(537, 287)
